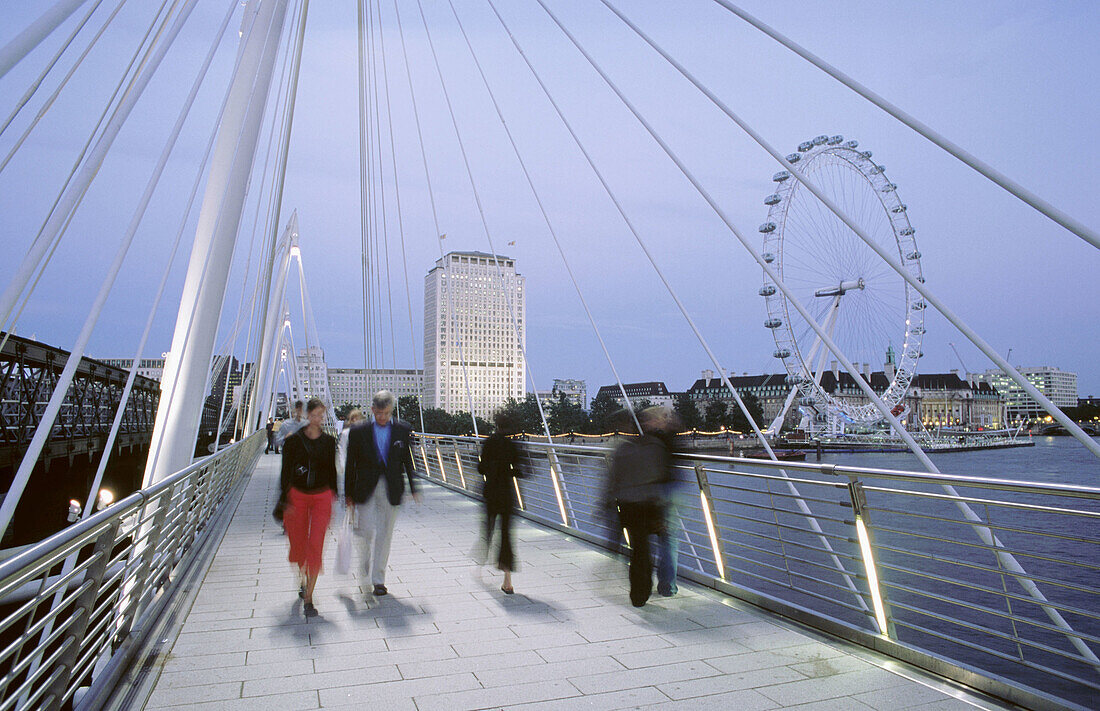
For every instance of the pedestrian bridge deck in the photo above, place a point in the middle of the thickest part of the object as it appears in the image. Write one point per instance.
(447, 638)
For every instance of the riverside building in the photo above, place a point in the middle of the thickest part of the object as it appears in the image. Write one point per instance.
(474, 331)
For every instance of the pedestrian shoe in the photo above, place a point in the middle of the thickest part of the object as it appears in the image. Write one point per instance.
(309, 610)
(666, 591)
(507, 591)
(380, 590)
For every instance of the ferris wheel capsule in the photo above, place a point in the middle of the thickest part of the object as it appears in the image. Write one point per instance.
(794, 157)
(805, 146)
(772, 199)
(767, 227)
(883, 300)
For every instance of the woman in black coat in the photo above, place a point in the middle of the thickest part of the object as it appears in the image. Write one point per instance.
(499, 464)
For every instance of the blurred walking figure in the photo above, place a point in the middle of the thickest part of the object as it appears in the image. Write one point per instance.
(354, 417)
(308, 484)
(289, 427)
(270, 436)
(637, 487)
(665, 429)
(499, 463)
(379, 453)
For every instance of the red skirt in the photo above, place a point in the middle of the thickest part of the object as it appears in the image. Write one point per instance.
(306, 520)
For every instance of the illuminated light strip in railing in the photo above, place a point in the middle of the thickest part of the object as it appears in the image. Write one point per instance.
(461, 475)
(424, 456)
(442, 471)
(519, 496)
(872, 575)
(713, 535)
(557, 491)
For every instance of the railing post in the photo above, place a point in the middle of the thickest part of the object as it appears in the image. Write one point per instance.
(82, 613)
(866, 547)
(709, 516)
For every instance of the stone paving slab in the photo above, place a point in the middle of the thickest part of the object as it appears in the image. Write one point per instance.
(446, 638)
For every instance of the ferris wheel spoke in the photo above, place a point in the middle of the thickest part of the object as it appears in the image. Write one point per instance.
(817, 254)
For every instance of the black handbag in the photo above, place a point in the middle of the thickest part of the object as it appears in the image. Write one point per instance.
(280, 509)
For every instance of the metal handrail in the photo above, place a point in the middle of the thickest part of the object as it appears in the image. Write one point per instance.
(61, 633)
(904, 572)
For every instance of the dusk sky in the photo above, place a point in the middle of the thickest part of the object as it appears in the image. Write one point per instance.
(1014, 82)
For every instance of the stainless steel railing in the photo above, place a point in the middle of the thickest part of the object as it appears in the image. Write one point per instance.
(74, 607)
(995, 583)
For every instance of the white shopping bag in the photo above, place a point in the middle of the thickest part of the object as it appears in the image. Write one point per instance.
(343, 547)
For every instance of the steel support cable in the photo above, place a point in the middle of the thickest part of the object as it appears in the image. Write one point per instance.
(80, 178)
(452, 331)
(982, 531)
(45, 425)
(378, 197)
(173, 387)
(48, 103)
(400, 224)
(363, 190)
(804, 508)
(484, 225)
(382, 193)
(983, 168)
(33, 88)
(266, 264)
(292, 94)
(22, 44)
(886, 256)
(546, 219)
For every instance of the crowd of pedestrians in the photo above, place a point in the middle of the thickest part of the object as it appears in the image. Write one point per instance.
(371, 463)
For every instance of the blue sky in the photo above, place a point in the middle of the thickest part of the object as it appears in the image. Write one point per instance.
(1013, 82)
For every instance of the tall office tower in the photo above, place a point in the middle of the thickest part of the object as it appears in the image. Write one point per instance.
(470, 333)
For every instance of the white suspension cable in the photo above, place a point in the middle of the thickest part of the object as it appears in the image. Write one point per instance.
(48, 68)
(80, 178)
(400, 224)
(61, 85)
(891, 259)
(983, 531)
(268, 233)
(485, 226)
(1012, 187)
(53, 407)
(454, 336)
(803, 507)
(382, 202)
(280, 182)
(549, 225)
(22, 44)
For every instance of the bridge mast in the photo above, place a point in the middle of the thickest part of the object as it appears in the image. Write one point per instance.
(188, 363)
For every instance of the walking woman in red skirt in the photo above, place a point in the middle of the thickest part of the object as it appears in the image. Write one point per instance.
(308, 483)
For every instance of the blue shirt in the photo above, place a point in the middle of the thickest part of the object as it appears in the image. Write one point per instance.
(382, 440)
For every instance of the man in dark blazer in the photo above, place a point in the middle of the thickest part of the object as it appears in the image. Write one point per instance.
(379, 458)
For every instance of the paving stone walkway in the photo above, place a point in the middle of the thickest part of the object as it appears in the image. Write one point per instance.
(447, 638)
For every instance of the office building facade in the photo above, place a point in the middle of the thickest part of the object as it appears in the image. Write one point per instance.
(474, 333)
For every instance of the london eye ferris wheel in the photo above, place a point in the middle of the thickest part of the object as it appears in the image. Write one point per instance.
(866, 308)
